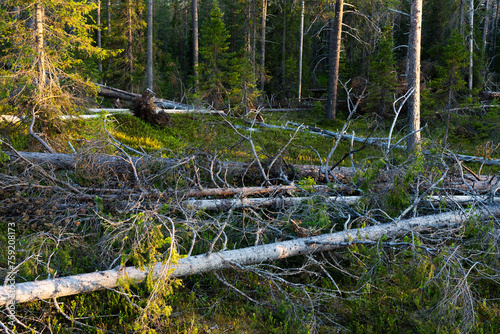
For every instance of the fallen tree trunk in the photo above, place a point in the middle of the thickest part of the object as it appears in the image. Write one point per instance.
(340, 176)
(226, 204)
(115, 93)
(71, 285)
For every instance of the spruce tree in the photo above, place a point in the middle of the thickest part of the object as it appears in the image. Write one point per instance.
(383, 75)
(44, 44)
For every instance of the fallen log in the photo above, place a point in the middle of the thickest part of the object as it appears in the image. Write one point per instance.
(115, 93)
(340, 176)
(226, 204)
(71, 285)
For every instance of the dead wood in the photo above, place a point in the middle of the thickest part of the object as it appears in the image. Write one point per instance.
(236, 172)
(71, 285)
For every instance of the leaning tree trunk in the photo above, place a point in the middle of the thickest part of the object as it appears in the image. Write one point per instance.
(413, 75)
(71, 285)
(334, 59)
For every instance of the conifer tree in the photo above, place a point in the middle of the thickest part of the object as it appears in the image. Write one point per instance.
(383, 76)
(43, 45)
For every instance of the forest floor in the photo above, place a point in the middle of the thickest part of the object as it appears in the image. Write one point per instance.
(445, 281)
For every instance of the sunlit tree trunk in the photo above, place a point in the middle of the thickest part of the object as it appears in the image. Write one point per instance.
(334, 59)
(149, 66)
(99, 36)
(414, 75)
(40, 62)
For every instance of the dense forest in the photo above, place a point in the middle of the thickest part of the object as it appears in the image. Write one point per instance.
(249, 166)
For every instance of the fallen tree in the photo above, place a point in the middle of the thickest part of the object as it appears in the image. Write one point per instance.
(341, 177)
(65, 286)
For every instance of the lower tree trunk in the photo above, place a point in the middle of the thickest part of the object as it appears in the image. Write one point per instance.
(71, 285)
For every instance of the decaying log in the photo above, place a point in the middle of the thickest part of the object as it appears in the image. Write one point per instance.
(246, 191)
(238, 258)
(340, 176)
(115, 93)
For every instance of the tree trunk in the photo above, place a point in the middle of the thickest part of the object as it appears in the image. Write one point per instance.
(263, 46)
(149, 65)
(413, 143)
(471, 45)
(196, 51)
(71, 285)
(301, 48)
(486, 28)
(130, 40)
(334, 59)
(40, 62)
(99, 37)
(342, 175)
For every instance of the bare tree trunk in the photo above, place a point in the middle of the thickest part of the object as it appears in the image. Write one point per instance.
(71, 285)
(263, 45)
(471, 45)
(486, 28)
(414, 76)
(149, 66)
(130, 40)
(195, 43)
(99, 36)
(283, 48)
(334, 59)
(495, 33)
(301, 49)
(40, 62)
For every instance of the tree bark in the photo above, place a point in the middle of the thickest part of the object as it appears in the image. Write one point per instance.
(301, 48)
(71, 285)
(99, 36)
(196, 51)
(149, 65)
(40, 62)
(413, 142)
(471, 45)
(263, 46)
(334, 59)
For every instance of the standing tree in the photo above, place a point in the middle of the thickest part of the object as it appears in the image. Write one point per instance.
(149, 66)
(335, 35)
(44, 44)
(383, 76)
(195, 44)
(413, 75)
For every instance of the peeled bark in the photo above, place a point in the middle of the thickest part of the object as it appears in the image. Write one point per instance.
(71, 285)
